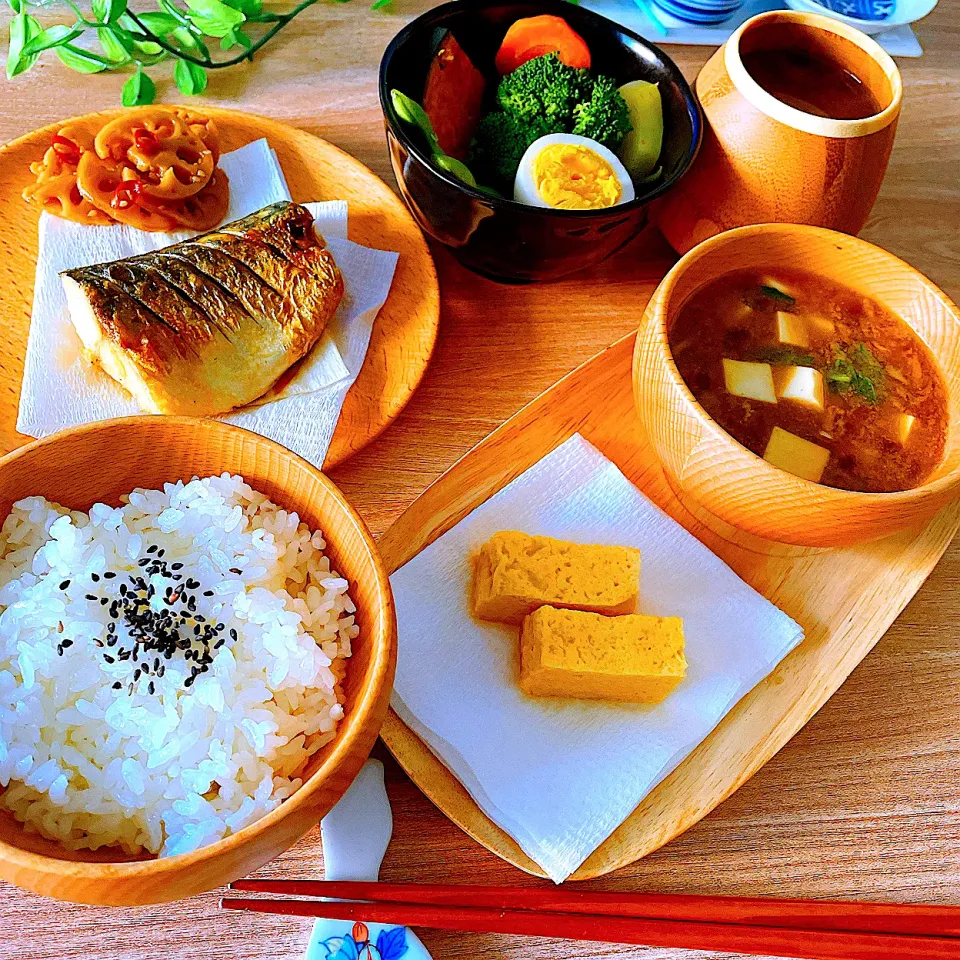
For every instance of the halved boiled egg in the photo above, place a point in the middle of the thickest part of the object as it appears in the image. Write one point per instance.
(567, 172)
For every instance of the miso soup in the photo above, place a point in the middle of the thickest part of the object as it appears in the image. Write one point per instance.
(815, 378)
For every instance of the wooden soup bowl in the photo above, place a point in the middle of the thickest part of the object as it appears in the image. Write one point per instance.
(762, 161)
(704, 463)
(99, 462)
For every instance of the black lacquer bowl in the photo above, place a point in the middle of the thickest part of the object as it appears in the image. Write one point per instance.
(501, 238)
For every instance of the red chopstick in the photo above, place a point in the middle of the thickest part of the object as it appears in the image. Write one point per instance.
(815, 930)
(921, 920)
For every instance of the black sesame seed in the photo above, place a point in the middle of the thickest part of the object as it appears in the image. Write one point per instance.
(235, 570)
(117, 685)
(150, 687)
(67, 643)
(208, 593)
(95, 577)
(152, 548)
(161, 552)
(90, 596)
(176, 566)
(98, 641)
(108, 658)
(143, 561)
(233, 634)
(189, 681)
(59, 649)
(109, 575)
(104, 601)
(64, 584)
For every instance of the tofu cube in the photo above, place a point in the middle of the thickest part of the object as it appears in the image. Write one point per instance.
(754, 381)
(792, 329)
(800, 384)
(796, 455)
(905, 424)
(824, 326)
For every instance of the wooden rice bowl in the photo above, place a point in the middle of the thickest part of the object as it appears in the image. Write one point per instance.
(710, 470)
(99, 462)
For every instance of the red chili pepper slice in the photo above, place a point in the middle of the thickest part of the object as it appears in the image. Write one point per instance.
(66, 149)
(147, 141)
(126, 194)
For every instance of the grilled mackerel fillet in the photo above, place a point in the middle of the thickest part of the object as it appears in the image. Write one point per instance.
(209, 324)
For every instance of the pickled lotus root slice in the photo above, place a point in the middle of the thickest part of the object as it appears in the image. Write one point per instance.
(166, 146)
(59, 194)
(79, 133)
(201, 127)
(178, 168)
(56, 189)
(118, 191)
(204, 210)
(117, 137)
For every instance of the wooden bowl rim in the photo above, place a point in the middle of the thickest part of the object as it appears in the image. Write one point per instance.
(381, 656)
(659, 310)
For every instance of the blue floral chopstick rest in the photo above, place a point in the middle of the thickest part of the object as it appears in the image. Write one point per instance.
(355, 836)
(363, 941)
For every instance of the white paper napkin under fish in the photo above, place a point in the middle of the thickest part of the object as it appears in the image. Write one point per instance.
(560, 775)
(60, 389)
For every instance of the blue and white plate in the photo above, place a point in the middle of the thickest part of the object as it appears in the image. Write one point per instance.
(898, 12)
(698, 11)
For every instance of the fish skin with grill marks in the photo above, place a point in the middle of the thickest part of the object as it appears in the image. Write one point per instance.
(211, 323)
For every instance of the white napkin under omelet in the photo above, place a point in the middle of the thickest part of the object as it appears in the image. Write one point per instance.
(560, 775)
(61, 389)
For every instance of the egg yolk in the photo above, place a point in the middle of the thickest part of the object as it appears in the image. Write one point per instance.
(572, 177)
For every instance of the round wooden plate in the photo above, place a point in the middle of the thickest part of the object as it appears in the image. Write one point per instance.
(405, 330)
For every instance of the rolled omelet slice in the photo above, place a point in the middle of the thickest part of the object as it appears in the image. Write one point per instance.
(515, 573)
(570, 653)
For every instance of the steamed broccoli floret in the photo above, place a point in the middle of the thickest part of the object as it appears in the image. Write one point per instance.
(499, 144)
(544, 88)
(545, 96)
(604, 116)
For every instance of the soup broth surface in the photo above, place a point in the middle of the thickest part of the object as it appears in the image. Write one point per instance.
(881, 411)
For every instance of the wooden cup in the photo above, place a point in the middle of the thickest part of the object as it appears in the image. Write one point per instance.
(763, 161)
(100, 462)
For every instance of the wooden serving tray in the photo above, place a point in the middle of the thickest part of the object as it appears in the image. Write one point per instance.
(845, 599)
(405, 330)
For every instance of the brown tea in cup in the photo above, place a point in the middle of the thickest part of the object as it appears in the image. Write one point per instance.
(794, 65)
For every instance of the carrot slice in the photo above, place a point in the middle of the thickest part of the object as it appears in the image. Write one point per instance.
(453, 96)
(536, 36)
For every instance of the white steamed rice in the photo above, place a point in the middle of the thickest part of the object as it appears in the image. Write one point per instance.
(91, 765)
